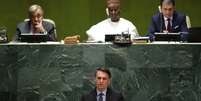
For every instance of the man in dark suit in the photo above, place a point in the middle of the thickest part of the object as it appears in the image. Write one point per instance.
(168, 20)
(36, 24)
(102, 92)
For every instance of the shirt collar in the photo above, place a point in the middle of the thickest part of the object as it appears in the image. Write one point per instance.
(165, 18)
(110, 21)
(104, 92)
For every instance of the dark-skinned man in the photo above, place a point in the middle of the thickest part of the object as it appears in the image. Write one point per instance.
(114, 24)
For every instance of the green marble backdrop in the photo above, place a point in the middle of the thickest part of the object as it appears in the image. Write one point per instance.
(76, 16)
(64, 73)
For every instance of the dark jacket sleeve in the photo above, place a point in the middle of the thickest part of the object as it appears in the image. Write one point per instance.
(184, 25)
(121, 97)
(152, 29)
(52, 33)
(184, 29)
(16, 35)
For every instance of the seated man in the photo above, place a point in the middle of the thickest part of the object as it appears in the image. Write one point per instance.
(35, 24)
(168, 20)
(113, 25)
(102, 92)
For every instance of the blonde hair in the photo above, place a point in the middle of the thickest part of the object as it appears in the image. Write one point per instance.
(34, 8)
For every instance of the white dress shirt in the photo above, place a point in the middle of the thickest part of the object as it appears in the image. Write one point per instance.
(97, 32)
(166, 21)
(104, 95)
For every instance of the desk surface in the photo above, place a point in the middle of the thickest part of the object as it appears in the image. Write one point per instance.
(143, 72)
(106, 43)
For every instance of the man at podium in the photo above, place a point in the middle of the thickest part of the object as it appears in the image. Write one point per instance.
(102, 91)
(35, 25)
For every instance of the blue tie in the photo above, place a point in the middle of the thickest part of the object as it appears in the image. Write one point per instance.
(100, 97)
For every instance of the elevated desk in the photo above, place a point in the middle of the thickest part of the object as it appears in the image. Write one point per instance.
(143, 72)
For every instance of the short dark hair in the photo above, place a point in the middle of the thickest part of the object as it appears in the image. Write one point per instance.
(167, 2)
(105, 70)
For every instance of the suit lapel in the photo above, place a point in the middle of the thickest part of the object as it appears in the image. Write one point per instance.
(164, 27)
(162, 23)
(94, 93)
(27, 28)
(108, 95)
(174, 23)
(45, 25)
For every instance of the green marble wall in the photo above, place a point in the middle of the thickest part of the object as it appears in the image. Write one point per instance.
(76, 16)
(65, 72)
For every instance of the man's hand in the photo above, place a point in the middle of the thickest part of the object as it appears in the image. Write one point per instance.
(38, 27)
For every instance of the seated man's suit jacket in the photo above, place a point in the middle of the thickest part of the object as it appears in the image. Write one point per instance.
(158, 25)
(110, 96)
(25, 27)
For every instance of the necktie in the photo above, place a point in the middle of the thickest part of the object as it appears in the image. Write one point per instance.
(169, 28)
(100, 97)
